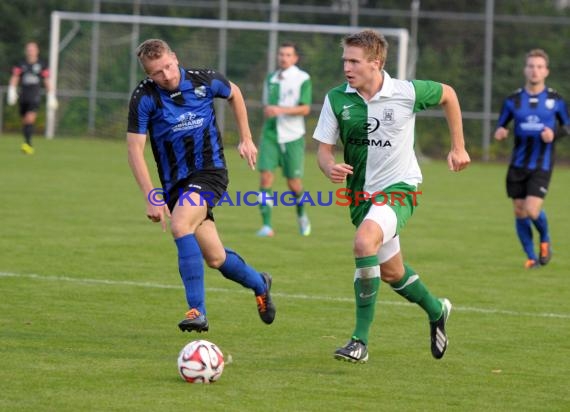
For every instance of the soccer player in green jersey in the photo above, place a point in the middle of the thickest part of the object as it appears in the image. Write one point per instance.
(287, 96)
(373, 116)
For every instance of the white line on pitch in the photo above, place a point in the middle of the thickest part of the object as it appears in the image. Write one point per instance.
(278, 294)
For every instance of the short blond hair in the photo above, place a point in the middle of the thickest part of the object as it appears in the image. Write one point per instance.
(152, 49)
(373, 43)
(538, 53)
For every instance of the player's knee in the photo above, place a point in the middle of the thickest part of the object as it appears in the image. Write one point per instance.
(295, 185)
(178, 230)
(266, 178)
(520, 211)
(363, 246)
(215, 261)
(390, 275)
(533, 214)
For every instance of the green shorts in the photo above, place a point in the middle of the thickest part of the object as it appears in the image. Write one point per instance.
(289, 156)
(401, 197)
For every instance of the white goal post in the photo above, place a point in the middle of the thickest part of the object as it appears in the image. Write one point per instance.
(57, 17)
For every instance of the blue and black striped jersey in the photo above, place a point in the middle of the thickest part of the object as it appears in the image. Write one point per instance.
(531, 114)
(181, 124)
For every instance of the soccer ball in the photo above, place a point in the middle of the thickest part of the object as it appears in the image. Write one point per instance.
(200, 361)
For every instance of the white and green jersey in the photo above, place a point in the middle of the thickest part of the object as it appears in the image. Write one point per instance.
(289, 88)
(377, 135)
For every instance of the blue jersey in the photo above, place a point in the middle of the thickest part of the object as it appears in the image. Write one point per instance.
(531, 114)
(181, 124)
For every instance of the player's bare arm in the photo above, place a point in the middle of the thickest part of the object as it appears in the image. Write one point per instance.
(273, 111)
(458, 158)
(135, 144)
(336, 172)
(246, 148)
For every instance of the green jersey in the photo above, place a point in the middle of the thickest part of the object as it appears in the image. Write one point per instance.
(288, 88)
(377, 135)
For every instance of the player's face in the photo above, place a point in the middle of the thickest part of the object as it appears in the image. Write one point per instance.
(359, 70)
(535, 71)
(287, 57)
(164, 71)
(32, 52)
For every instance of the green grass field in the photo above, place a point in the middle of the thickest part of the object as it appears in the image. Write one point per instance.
(91, 296)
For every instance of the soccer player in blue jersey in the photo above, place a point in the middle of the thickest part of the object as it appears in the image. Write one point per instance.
(175, 106)
(539, 114)
(28, 76)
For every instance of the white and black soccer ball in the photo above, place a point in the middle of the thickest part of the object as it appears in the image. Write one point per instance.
(200, 361)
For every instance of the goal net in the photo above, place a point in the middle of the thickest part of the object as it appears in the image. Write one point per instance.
(94, 67)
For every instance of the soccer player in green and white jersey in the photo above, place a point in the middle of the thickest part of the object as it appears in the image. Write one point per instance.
(287, 97)
(373, 115)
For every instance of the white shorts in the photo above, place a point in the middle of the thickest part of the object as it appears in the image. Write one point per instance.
(386, 218)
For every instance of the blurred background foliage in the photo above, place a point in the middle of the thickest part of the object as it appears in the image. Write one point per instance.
(450, 49)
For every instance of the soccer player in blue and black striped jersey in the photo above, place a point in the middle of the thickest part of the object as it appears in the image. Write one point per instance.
(539, 114)
(175, 106)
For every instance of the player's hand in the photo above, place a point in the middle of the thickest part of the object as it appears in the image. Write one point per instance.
(458, 159)
(271, 111)
(501, 133)
(52, 102)
(338, 172)
(248, 151)
(547, 135)
(156, 213)
(12, 97)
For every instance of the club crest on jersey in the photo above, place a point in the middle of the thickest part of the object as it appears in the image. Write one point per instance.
(200, 91)
(549, 103)
(388, 117)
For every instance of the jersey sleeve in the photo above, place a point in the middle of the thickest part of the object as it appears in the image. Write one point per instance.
(428, 94)
(17, 71)
(562, 113)
(327, 130)
(265, 95)
(141, 107)
(506, 114)
(45, 71)
(219, 84)
(306, 96)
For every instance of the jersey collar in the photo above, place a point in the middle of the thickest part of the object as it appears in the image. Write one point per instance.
(288, 72)
(387, 89)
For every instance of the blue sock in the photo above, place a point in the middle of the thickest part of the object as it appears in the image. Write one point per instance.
(541, 224)
(524, 230)
(191, 267)
(235, 268)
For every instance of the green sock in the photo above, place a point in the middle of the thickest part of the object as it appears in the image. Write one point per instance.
(413, 289)
(300, 207)
(266, 208)
(366, 286)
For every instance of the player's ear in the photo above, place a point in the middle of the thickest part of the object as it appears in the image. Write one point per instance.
(378, 63)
